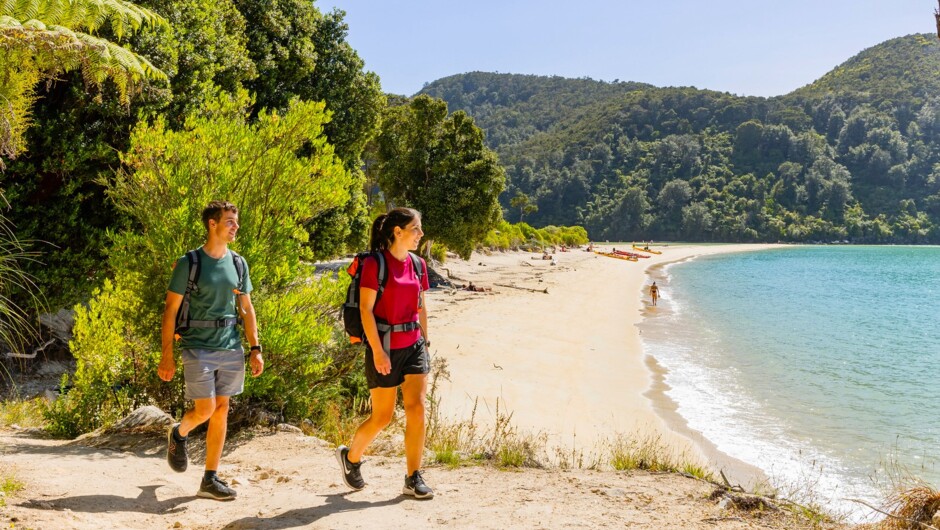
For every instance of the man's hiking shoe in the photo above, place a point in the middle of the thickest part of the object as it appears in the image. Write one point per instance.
(351, 475)
(216, 488)
(415, 486)
(176, 450)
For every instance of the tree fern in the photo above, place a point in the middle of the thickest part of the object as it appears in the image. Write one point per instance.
(40, 39)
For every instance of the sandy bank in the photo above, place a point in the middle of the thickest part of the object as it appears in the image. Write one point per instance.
(569, 363)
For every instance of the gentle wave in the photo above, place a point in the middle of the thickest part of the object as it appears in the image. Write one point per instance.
(816, 364)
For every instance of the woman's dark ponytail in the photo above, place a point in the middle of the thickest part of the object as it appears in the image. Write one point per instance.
(383, 228)
(377, 240)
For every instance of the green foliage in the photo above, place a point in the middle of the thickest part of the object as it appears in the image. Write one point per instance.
(77, 138)
(170, 176)
(508, 236)
(116, 364)
(650, 453)
(439, 165)
(299, 339)
(167, 179)
(24, 413)
(40, 39)
(15, 327)
(301, 53)
(9, 485)
(631, 161)
(74, 144)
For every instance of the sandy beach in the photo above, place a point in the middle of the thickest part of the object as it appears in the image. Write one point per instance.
(567, 363)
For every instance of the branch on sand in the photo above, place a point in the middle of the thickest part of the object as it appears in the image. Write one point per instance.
(545, 290)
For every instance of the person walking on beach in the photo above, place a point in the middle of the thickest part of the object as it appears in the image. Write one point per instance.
(654, 293)
(212, 286)
(399, 356)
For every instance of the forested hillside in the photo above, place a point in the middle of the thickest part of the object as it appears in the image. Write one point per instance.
(853, 156)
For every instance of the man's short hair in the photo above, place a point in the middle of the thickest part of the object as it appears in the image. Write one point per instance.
(214, 211)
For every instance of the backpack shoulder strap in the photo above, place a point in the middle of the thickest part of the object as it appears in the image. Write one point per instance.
(182, 315)
(419, 272)
(195, 267)
(382, 273)
(416, 261)
(240, 267)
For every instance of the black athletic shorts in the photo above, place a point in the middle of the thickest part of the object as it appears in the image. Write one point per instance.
(411, 360)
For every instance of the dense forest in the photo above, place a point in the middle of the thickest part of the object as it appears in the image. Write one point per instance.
(120, 122)
(851, 157)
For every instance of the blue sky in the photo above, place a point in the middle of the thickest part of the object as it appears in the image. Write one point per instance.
(754, 48)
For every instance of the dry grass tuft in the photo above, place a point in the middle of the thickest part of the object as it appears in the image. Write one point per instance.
(912, 508)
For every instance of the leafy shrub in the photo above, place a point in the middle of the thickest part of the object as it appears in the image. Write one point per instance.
(279, 171)
(520, 235)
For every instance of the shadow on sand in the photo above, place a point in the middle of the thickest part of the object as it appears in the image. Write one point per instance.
(336, 503)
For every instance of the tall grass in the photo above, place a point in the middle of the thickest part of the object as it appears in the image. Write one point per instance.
(24, 413)
(648, 452)
(16, 330)
(457, 442)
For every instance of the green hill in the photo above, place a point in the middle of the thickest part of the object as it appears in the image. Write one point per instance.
(850, 156)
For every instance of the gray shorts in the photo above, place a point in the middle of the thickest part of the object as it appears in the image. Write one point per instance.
(211, 373)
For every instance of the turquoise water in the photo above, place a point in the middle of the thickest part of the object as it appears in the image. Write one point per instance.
(817, 364)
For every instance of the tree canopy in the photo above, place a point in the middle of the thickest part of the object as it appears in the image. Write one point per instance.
(440, 165)
(852, 156)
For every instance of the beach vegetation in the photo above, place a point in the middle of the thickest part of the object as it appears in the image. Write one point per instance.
(42, 39)
(651, 453)
(205, 47)
(16, 329)
(466, 441)
(517, 236)
(912, 508)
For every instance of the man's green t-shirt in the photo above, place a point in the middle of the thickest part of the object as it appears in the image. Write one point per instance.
(214, 300)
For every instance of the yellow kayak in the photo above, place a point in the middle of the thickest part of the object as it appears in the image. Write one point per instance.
(641, 249)
(618, 256)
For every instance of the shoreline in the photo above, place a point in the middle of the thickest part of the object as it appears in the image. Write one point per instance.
(736, 470)
(570, 365)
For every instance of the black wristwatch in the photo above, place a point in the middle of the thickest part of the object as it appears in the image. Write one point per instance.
(253, 348)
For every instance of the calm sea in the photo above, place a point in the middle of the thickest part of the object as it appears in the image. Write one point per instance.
(820, 365)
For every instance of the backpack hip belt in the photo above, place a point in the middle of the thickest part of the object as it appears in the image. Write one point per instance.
(220, 323)
(386, 329)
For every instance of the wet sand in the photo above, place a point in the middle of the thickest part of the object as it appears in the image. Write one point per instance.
(568, 364)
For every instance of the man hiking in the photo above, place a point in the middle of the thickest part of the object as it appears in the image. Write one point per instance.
(211, 285)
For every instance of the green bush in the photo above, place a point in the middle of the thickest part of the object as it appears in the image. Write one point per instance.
(299, 347)
(520, 235)
(279, 171)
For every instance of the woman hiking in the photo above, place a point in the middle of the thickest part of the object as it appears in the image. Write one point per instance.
(399, 356)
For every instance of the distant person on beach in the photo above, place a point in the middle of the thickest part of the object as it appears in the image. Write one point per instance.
(399, 356)
(654, 293)
(477, 289)
(211, 348)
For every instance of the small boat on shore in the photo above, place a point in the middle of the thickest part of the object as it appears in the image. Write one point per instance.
(616, 255)
(631, 254)
(646, 249)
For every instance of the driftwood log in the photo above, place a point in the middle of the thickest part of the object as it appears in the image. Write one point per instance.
(545, 290)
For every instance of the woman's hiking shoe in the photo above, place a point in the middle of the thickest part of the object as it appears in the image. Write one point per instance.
(176, 449)
(415, 486)
(215, 488)
(351, 475)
